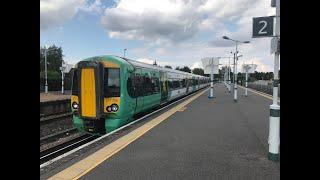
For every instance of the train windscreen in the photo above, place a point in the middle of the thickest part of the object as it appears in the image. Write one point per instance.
(112, 82)
(75, 82)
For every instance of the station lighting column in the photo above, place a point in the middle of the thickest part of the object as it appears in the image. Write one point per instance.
(229, 80)
(235, 97)
(124, 52)
(228, 76)
(212, 77)
(246, 92)
(45, 69)
(235, 64)
(62, 68)
(274, 127)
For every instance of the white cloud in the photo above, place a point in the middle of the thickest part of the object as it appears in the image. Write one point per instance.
(53, 13)
(196, 65)
(56, 12)
(260, 66)
(95, 7)
(176, 21)
(180, 31)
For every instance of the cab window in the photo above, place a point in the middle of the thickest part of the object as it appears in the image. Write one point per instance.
(112, 82)
(75, 82)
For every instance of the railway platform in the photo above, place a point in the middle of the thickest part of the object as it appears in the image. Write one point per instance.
(54, 96)
(199, 138)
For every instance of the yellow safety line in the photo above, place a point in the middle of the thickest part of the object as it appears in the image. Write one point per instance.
(266, 96)
(82, 167)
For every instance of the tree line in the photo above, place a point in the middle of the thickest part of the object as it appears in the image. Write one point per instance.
(54, 62)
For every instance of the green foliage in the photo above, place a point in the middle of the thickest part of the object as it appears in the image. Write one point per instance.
(167, 66)
(261, 76)
(52, 75)
(198, 71)
(54, 58)
(185, 69)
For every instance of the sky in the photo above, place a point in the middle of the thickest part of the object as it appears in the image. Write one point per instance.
(172, 32)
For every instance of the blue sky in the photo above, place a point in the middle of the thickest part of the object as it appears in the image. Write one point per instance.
(174, 33)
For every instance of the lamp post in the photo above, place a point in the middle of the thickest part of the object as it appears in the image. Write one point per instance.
(235, 64)
(228, 75)
(229, 80)
(45, 69)
(124, 52)
(62, 68)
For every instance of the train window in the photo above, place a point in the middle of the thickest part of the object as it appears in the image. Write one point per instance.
(156, 85)
(170, 85)
(147, 84)
(183, 83)
(111, 82)
(131, 86)
(75, 82)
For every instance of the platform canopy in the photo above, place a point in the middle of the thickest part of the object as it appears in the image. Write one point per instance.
(208, 62)
(250, 68)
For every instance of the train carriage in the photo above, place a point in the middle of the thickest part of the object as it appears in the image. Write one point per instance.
(107, 91)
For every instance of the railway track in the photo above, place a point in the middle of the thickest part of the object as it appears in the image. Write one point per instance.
(45, 119)
(57, 135)
(48, 154)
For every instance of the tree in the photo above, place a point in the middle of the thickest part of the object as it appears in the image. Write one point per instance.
(177, 68)
(241, 78)
(185, 69)
(198, 71)
(167, 66)
(54, 58)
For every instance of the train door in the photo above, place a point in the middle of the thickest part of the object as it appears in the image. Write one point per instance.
(164, 86)
(198, 83)
(140, 90)
(187, 84)
(88, 92)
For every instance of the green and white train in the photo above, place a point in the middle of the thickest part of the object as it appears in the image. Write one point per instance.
(108, 91)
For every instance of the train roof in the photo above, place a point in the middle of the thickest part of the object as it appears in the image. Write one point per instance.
(149, 66)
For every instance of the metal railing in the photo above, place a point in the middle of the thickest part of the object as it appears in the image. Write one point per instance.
(263, 88)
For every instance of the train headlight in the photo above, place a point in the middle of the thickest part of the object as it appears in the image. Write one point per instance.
(75, 105)
(109, 109)
(114, 107)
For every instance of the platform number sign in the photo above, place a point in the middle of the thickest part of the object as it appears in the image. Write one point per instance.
(262, 27)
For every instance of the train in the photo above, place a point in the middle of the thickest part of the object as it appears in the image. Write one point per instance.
(109, 91)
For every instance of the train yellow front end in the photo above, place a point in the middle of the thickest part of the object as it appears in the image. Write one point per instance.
(95, 94)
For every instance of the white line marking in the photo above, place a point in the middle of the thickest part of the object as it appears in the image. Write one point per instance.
(106, 135)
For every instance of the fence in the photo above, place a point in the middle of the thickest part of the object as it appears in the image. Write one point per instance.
(263, 88)
(55, 84)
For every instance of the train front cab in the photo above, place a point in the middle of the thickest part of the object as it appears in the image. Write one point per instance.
(95, 95)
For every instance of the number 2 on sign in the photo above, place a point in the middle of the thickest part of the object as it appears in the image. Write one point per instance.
(263, 28)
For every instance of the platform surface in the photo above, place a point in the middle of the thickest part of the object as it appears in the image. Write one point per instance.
(207, 139)
(54, 96)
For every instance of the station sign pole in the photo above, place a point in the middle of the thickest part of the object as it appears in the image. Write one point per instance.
(211, 66)
(229, 80)
(246, 92)
(274, 128)
(212, 77)
(263, 27)
(45, 69)
(62, 68)
(235, 98)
